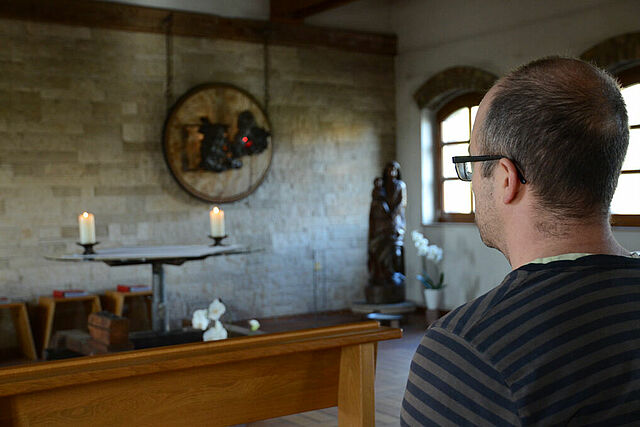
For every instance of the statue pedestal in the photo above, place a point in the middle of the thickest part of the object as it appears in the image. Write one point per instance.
(401, 308)
(384, 294)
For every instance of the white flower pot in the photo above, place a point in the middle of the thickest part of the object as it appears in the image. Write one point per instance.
(433, 298)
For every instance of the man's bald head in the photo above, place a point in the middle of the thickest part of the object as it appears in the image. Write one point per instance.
(564, 122)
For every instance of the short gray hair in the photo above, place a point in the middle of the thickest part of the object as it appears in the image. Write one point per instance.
(564, 122)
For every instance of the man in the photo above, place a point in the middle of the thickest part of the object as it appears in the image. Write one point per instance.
(558, 341)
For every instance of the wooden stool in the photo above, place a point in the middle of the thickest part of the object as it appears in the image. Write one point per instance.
(66, 313)
(22, 330)
(135, 306)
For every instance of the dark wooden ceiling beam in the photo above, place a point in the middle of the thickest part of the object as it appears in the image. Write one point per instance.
(297, 10)
(118, 16)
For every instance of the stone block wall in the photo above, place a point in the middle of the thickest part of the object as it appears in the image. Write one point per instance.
(81, 117)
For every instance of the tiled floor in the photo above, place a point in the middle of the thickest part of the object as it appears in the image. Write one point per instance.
(394, 357)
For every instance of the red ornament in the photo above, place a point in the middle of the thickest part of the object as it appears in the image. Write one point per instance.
(245, 139)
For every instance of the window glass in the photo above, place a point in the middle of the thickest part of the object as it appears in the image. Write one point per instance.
(449, 151)
(455, 127)
(631, 95)
(454, 201)
(632, 161)
(474, 111)
(457, 196)
(626, 199)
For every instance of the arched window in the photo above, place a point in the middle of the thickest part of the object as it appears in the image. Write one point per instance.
(447, 100)
(625, 206)
(454, 199)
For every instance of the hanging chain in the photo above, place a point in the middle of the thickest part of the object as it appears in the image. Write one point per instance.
(266, 67)
(168, 22)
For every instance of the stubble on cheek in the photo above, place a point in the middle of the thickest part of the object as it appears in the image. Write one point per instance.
(487, 221)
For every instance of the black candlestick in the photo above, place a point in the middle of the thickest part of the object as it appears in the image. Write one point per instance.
(88, 247)
(217, 241)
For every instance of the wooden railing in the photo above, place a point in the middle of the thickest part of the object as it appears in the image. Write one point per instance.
(214, 383)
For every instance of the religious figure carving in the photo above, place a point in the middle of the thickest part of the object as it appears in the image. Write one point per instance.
(238, 151)
(217, 152)
(250, 138)
(387, 227)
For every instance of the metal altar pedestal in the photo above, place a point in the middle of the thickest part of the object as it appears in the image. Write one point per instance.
(159, 317)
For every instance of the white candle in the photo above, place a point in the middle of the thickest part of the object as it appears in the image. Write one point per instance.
(87, 227)
(216, 217)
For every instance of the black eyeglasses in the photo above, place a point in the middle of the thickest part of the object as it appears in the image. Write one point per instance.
(465, 171)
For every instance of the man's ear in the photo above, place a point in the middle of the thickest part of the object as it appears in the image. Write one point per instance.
(511, 184)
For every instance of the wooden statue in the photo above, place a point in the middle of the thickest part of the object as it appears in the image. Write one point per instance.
(387, 227)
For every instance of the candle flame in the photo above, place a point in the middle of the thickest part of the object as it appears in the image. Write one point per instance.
(85, 214)
(216, 210)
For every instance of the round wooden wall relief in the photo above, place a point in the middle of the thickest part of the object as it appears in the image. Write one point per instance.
(217, 142)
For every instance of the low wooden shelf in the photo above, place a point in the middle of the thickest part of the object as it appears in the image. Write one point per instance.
(21, 328)
(135, 306)
(65, 313)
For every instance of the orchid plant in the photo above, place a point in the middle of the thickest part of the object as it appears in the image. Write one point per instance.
(209, 319)
(431, 253)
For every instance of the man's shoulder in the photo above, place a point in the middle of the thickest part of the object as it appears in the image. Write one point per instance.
(569, 261)
(488, 311)
(467, 316)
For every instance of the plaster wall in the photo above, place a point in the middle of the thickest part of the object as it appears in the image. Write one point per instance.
(494, 35)
(81, 123)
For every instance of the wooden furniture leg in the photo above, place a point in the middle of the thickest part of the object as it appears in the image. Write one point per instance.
(22, 328)
(119, 304)
(21, 320)
(48, 305)
(356, 395)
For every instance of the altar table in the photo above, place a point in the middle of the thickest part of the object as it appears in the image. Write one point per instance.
(157, 256)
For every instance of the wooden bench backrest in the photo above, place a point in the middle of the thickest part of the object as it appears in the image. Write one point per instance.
(217, 383)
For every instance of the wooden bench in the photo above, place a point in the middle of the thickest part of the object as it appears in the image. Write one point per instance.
(214, 383)
(65, 313)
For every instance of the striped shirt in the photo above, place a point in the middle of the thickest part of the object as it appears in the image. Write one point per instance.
(555, 343)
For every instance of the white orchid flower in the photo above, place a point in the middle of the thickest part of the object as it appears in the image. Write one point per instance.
(438, 257)
(254, 325)
(419, 241)
(216, 309)
(200, 320)
(429, 253)
(434, 253)
(217, 332)
(422, 250)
